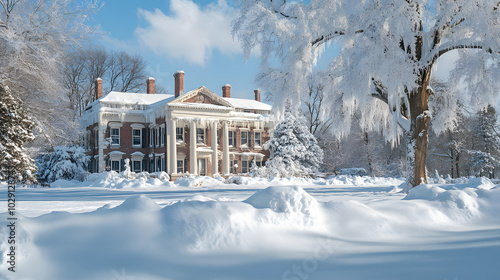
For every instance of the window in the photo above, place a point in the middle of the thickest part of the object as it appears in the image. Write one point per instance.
(151, 137)
(218, 136)
(244, 138)
(162, 136)
(96, 138)
(231, 136)
(157, 138)
(115, 165)
(179, 134)
(200, 136)
(244, 166)
(137, 166)
(258, 139)
(180, 166)
(115, 136)
(89, 140)
(258, 163)
(136, 137)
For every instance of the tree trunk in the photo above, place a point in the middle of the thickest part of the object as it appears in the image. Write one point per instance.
(418, 134)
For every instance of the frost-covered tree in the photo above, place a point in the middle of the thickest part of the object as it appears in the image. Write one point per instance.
(65, 162)
(388, 52)
(15, 131)
(294, 150)
(34, 36)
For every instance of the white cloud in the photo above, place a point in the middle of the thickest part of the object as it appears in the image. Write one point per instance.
(190, 32)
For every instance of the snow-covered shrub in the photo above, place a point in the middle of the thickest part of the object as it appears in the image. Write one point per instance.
(65, 162)
(294, 151)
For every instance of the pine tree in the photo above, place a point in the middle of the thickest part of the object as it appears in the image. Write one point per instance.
(15, 131)
(486, 143)
(65, 162)
(294, 151)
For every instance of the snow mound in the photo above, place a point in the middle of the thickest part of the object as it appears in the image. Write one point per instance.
(198, 181)
(284, 200)
(481, 182)
(138, 203)
(453, 199)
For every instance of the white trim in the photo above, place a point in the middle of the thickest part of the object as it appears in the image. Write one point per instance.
(115, 124)
(137, 125)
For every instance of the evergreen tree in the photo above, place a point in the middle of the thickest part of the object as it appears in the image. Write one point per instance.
(15, 131)
(486, 144)
(294, 151)
(65, 162)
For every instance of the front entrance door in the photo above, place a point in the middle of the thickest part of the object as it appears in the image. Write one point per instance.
(202, 167)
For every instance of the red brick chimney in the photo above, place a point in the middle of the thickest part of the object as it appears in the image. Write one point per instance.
(226, 91)
(98, 88)
(257, 94)
(150, 82)
(179, 83)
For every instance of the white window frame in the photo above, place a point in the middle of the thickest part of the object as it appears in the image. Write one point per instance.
(255, 139)
(244, 169)
(181, 167)
(246, 138)
(179, 131)
(119, 165)
(231, 136)
(134, 137)
(115, 136)
(140, 165)
(151, 138)
(157, 137)
(162, 135)
(204, 142)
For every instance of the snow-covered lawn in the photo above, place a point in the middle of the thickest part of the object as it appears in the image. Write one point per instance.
(204, 228)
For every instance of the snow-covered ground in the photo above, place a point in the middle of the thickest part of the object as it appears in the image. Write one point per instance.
(205, 228)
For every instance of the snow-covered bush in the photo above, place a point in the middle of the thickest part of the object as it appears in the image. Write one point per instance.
(294, 151)
(65, 162)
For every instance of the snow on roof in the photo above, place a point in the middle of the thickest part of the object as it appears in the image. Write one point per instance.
(199, 105)
(248, 104)
(135, 98)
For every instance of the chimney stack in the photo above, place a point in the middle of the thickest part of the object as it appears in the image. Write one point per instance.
(98, 88)
(226, 91)
(150, 82)
(179, 83)
(257, 94)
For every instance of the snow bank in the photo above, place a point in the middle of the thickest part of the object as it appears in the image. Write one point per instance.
(198, 181)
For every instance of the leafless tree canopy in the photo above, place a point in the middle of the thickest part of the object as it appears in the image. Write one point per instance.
(119, 71)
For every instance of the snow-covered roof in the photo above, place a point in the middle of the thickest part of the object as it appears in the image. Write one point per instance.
(135, 98)
(199, 106)
(249, 104)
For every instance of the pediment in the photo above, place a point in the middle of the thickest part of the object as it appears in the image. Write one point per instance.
(201, 95)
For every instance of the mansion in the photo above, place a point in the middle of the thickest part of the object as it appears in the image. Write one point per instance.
(198, 131)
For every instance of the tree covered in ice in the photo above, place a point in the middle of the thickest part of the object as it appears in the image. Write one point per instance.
(388, 52)
(65, 162)
(34, 37)
(15, 131)
(294, 150)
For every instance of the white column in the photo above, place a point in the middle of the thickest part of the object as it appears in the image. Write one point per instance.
(172, 146)
(102, 144)
(225, 150)
(192, 149)
(215, 163)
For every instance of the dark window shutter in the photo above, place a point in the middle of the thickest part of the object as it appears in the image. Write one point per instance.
(122, 165)
(144, 138)
(185, 165)
(143, 165)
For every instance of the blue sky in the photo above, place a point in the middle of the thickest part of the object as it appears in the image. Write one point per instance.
(172, 35)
